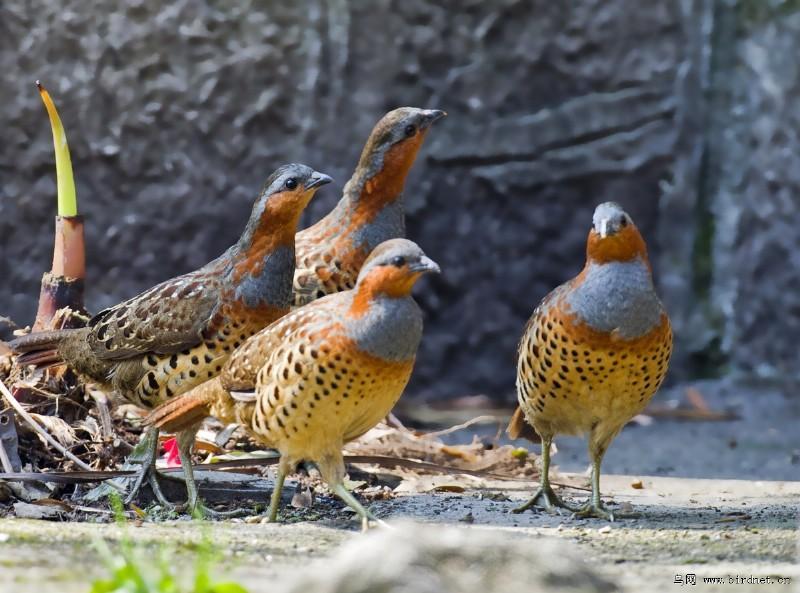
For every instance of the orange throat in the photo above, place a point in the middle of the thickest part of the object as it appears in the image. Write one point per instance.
(625, 245)
(387, 184)
(272, 232)
(388, 281)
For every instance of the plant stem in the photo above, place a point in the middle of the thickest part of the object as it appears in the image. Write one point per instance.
(67, 200)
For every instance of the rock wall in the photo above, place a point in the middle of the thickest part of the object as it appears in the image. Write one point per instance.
(176, 112)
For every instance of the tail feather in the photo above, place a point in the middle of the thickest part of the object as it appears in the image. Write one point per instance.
(187, 410)
(41, 359)
(46, 340)
(40, 349)
(518, 427)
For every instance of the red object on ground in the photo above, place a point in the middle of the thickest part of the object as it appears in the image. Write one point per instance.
(172, 454)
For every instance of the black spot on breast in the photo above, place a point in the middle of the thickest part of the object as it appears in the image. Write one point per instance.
(192, 373)
(298, 368)
(285, 373)
(195, 360)
(151, 381)
(208, 358)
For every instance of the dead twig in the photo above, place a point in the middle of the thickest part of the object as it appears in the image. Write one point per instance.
(477, 420)
(12, 401)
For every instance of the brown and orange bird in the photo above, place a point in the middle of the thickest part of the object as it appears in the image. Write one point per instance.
(331, 252)
(321, 376)
(595, 350)
(179, 333)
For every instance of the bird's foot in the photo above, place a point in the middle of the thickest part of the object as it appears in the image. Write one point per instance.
(547, 499)
(200, 511)
(366, 515)
(596, 510)
(148, 472)
(368, 519)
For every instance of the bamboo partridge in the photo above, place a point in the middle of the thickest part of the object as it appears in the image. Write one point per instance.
(595, 350)
(324, 374)
(179, 333)
(331, 252)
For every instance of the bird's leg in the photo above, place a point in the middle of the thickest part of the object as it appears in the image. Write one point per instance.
(194, 504)
(342, 492)
(594, 507)
(277, 490)
(333, 472)
(147, 470)
(549, 499)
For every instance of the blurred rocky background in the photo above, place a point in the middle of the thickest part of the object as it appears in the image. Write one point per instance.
(685, 111)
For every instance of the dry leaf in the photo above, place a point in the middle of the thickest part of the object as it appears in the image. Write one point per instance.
(637, 485)
(696, 399)
(303, 498)
(449, 488)
(57, 428)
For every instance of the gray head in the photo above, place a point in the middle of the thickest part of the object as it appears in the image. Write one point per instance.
(403, 129)
(280, 203)
(609, 219)
(394, 266)
(293, 177)
(288, 190)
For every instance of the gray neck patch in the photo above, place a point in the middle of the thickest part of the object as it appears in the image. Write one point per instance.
(273, 285)
(617, 296)
(391, 329)
(388, 224)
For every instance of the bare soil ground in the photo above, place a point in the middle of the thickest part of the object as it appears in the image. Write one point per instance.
(709, 528)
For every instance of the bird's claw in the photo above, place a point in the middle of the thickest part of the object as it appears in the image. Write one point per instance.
(550, 501)
(596, 510)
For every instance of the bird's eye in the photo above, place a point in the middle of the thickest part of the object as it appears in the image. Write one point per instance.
(291, 183)
(623, 222)
(398, 261)
(411, 129)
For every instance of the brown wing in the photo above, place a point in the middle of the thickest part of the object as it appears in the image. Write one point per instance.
(320, 268)
(241, 370)
(168, 318)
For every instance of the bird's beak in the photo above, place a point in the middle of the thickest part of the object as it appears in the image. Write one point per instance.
(431, 116)
(425, 265)
(318, 180)
(604, 228)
